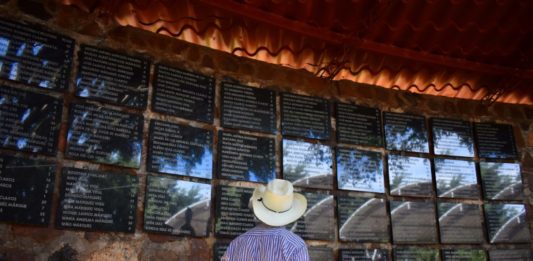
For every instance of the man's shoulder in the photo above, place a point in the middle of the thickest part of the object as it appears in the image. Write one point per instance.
(292, 238)
(279, 232)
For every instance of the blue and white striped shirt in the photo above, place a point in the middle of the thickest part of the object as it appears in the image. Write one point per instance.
(265, 243)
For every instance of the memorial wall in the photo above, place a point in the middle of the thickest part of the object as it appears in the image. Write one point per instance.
(108, 141)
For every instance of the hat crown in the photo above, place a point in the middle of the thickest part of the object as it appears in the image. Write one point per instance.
(278, 195)
(280, 187)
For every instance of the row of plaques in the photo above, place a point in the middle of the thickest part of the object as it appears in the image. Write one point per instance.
(311, 165)
(366, 219)
(33, 56)
(30, 122)
(322, 253)
(96, 200)
(254, 109)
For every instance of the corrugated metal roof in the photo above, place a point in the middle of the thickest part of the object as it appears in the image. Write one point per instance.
(455, 48)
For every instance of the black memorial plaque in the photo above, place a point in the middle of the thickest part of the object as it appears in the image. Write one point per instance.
(501, 181)
(413, 253)
(32, 55)
(112, 77)
(26, 188)
(460, 223)
(179, 149)
(360, 170)
(518, 254)
(305, 116)
(507, 223)
(362, 219)
(177, 207)
(184, 94)
(219, 248)
(307, 164)
(104, 135)
(320, 253)
(233, 214)
(413, 222)
(495, 140)
(359, 125)
(405, 132)
(464, 254)
(363, 255)
(452, 137)
(456, 179)
(29, 121)
(248, 108)
(318, 220)
(410, 176)
(249, 158)
(96, 200)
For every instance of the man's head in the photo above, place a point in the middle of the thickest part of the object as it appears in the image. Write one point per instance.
(277, 204)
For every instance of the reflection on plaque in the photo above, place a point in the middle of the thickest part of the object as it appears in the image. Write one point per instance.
(464, 254)
(360, 170)
(320, 253)
(249, 108)
(495, 140)
(501, 181)
(185, 94)
(363, 255)
(233, 214)
(409, 176)
(26, 188)
(104, 135)
(363, 219)
(249, 158)
(219, 248)
(405, 132)
(177, 207)
(520, 254)
(413, 222)
(507, 223)
(452, 137)
(29, 121)
(96, 200)
(456, 178)
(180, 149)
(307, 164)
(413, 253)
(31, 55)
(318, 220)
(112, 77)
(305, 116)
(460, 223)
(359, 125)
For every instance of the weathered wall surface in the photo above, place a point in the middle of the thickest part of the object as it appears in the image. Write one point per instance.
(18, 242)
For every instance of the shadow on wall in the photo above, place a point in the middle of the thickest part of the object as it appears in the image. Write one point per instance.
(66, 253)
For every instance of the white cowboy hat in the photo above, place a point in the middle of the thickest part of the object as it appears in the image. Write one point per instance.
(276, 204)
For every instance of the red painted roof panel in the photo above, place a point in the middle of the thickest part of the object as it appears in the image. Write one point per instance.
(456, 48)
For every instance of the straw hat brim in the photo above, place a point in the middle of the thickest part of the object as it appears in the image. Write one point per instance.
(271, 218)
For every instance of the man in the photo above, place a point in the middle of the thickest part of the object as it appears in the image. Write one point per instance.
(275, 205)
